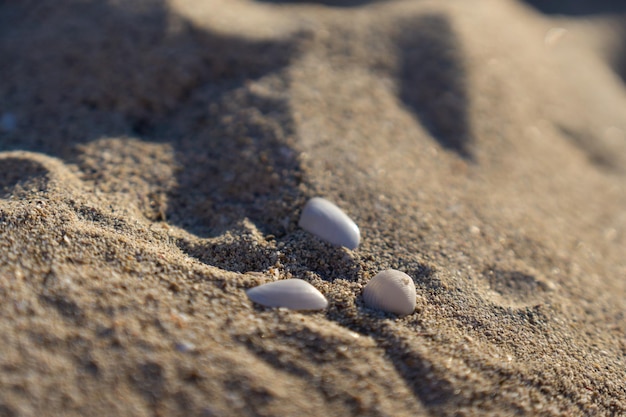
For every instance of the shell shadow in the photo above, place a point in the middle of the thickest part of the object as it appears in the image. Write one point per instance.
(432, 80)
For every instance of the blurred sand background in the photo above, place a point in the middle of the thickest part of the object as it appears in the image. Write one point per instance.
(155, 156)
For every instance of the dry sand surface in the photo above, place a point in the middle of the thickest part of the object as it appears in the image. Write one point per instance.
(155, 157)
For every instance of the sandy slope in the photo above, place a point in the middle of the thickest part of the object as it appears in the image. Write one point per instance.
(162, 152)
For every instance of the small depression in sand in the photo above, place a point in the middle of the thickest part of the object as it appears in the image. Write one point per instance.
(516, 288)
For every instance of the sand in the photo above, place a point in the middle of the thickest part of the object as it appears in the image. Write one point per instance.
(155, 157)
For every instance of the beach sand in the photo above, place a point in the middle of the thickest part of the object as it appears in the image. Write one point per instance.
(155, 157)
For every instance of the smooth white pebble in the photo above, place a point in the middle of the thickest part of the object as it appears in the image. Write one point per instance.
(294, 294)
(328, 222)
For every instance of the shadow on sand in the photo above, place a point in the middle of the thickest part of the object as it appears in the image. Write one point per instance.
(432, 80)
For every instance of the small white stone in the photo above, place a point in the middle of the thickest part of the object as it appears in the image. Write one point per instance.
(294, 294)
(391, 291)
(328, 222)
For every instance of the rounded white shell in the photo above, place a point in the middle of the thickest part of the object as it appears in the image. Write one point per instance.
(294, 294)
(330, 223)
(391, 291)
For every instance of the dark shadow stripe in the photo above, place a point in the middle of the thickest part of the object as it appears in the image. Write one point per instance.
(432, 80)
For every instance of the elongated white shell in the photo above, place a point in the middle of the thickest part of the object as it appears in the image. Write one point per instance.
(391, 291)
(294, 294)
(329, 222)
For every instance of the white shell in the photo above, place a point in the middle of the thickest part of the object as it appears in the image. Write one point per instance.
(294, 294)
(391, 291)
(330, 223)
